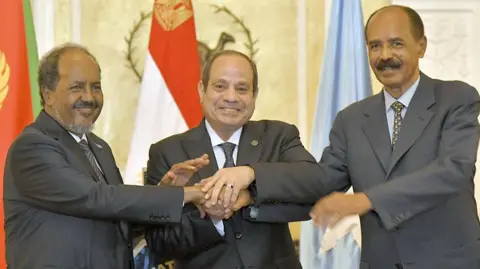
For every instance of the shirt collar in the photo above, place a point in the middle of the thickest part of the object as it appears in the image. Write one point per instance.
(404, 99)
(216, 140)
(77, 138)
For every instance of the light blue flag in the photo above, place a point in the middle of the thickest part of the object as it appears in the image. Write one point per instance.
(345, 79)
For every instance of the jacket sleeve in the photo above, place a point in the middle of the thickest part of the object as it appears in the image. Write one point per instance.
(46, 180)
(193, 234)
(178, 241)
(277, 212)
(297, 177)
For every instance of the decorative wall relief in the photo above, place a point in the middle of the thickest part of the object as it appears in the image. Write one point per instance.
(205, 52)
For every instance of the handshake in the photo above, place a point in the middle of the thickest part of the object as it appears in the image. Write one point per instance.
(218, 196)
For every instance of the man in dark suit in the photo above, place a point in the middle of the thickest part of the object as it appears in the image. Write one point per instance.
(65, 202)
(255, 236)
(409, 152)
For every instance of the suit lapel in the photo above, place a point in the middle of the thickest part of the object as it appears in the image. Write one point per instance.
(107, 164)
(376, 130)
(104, 160)
(51, 127)
(198, 143)
(416, 119)
(250, 146)
(70, 143)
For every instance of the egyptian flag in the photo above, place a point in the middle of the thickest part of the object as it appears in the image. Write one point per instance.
(169, 101)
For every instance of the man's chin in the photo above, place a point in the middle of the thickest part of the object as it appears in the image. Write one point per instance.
(80, 129)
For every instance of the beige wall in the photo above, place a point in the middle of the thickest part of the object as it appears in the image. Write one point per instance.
(106, 23)
(316, 36)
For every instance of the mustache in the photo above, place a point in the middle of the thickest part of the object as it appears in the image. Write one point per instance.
(86, 104)
(390, 63)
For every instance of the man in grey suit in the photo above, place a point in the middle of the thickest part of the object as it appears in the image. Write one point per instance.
(245, 235)
(409, 152)
(65, 202)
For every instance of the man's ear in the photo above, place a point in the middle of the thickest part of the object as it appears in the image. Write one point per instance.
(47, 95)
(423, 46)
(201, 91)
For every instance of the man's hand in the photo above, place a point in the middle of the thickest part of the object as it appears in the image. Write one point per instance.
(215, 212)
(232, 180)
(181, 173)
(195, 195)
(331, 209)
(243, 200)
(218, 211)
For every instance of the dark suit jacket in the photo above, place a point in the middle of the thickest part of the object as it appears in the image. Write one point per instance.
(425, 215)
(58, 216)
(262, 242)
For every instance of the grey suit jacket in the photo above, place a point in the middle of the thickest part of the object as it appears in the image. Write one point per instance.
(58, 216)
(262, 241)
(422, 191)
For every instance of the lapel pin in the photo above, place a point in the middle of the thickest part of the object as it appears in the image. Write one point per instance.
(254, 143)
(98, 146)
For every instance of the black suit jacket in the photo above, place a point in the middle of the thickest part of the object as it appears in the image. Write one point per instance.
(262, 242)
(58, 216)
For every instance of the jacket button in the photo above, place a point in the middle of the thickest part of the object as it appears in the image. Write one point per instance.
(129, 245)
(238, 235)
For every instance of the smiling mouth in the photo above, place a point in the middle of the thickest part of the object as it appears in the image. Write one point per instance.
(85, 111)
(388, 68)
(228, 109)
(85, 108)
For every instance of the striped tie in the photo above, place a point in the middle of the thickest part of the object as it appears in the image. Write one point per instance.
(397, 122)
(91, 158)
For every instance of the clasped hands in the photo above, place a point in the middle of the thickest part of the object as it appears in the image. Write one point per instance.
(220, 195)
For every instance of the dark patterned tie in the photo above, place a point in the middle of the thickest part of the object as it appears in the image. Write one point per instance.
(397, 120)
(91, 158)
(236, 219)
(228, 149)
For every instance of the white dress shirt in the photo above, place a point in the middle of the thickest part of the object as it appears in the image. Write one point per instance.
(220, 157)
(404, 99)
(78, 139)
